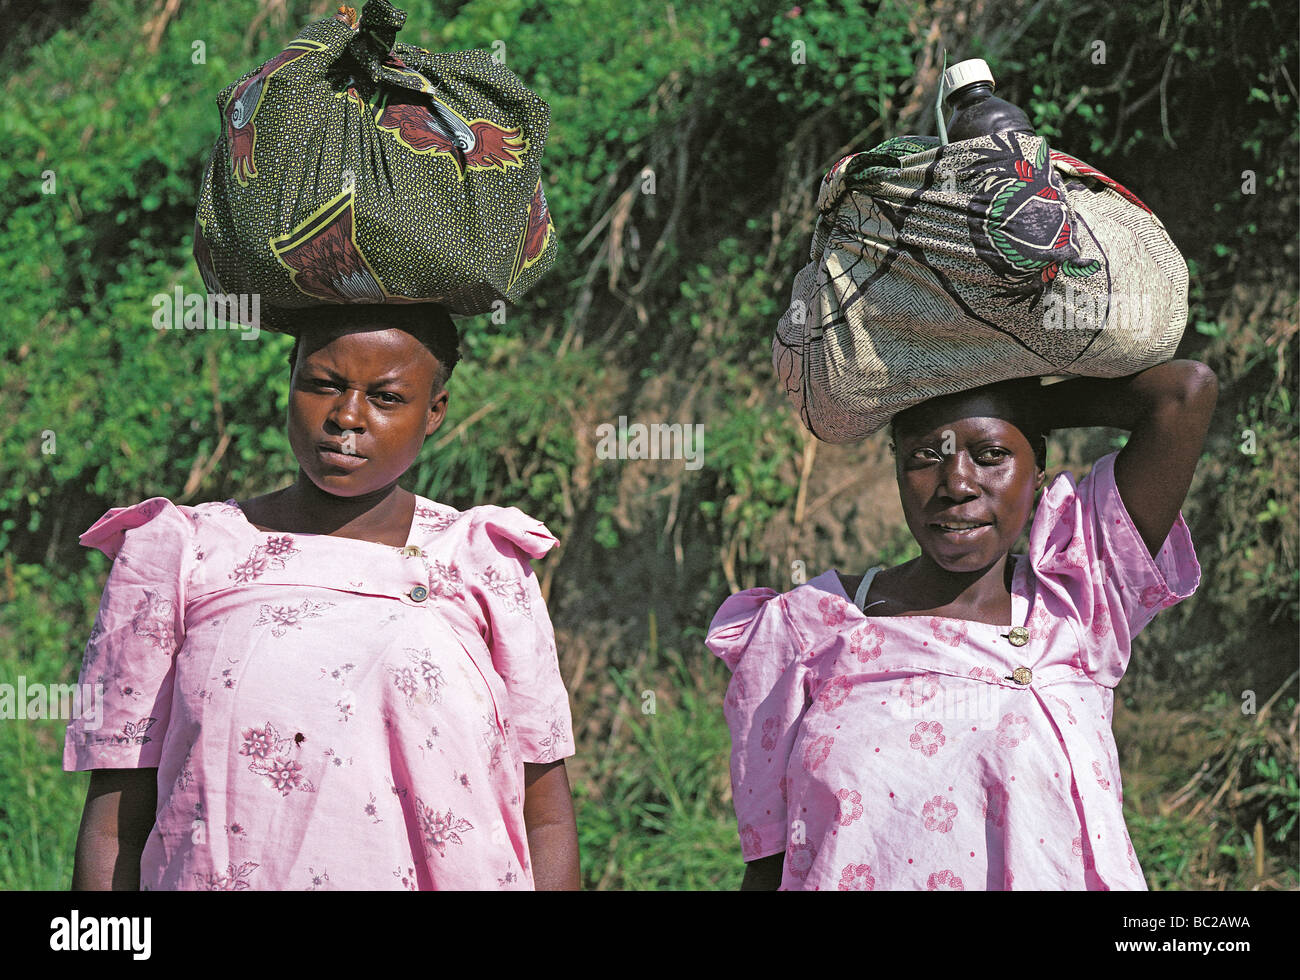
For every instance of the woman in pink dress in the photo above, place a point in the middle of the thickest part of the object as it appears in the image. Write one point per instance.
(945, 724)
(338, 685)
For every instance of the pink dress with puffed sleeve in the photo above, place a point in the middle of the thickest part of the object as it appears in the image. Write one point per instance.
(929, 753)
(323, 712)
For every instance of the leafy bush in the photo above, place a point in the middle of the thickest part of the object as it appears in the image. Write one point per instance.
(682, 165)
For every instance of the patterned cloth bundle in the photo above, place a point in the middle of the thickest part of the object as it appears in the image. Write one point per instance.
(937, 268)
(352, 169)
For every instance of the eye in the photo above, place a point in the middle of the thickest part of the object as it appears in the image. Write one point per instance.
(997, 453)
(389, 398)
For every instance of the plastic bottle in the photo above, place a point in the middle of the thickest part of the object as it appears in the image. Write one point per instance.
(976, 110)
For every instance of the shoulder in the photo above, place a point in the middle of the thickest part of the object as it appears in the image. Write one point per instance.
(778, 623)
(880, 587)
(1069, 503)
(1084, 539)
(850, 583)
(484, 529)
(156, 518)
(738, 624)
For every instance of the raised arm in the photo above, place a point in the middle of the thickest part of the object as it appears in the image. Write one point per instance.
(1167, 411)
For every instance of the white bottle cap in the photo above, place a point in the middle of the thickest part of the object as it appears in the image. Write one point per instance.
(965, 72)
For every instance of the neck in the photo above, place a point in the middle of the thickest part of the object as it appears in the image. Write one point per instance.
(325, 513)
(933, 586)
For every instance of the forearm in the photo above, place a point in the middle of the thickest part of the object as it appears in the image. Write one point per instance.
(105, 863)
(1167, 410)
(116, 823)
(554, 852)
(763, 874)
(551, 827)
(1121, 403)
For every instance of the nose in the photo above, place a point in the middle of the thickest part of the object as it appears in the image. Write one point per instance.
(347, 410)
(959, 477)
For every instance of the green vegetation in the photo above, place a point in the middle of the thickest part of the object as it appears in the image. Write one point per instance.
(661, 307)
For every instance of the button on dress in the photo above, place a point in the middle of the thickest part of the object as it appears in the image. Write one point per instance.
(931, 753)
(323, 712)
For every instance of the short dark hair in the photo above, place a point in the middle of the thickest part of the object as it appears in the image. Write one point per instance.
(428, 323)
(1023, 396)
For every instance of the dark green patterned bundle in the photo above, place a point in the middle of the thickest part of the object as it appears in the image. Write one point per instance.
(351, 169)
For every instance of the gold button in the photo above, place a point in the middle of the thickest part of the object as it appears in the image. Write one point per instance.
(1022, 675)
(419, 593)
(1018, 636)
(411, 551)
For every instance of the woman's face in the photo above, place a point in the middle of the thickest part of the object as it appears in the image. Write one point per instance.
(360, 408)
(961, 461)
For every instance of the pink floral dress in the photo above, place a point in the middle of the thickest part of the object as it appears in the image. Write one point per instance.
(909, 752)
(325, 713)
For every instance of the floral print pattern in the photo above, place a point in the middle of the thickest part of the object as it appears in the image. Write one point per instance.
(234, 879)
(944, 880)
(423, 679)
(272, 553)
(131, 733)
(850, 806)
(441, 829)
(817, 751)
(939, 814)
(866, 642)
(996, 803)
(928, 737)
(153, 620)
(856, 878)
(267, 749)
(445, 580)
(834, 693)
(1012, 730)
(281, 619)
(917, 690)
(554, 742)
(509, 589)
(436, 519)
(833, 610)
(950, 631)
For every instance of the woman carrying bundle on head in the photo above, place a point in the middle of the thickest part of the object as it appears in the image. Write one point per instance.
(340, 684)
(946, 723)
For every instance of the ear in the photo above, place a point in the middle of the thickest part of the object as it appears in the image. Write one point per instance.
(437, 412)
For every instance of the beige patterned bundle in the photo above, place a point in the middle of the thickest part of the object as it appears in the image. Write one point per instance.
(940, 268)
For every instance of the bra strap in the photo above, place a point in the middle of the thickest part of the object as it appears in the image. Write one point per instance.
(861, 597)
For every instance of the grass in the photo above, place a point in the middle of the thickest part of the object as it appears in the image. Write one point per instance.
(656, 813)
(40, 804)
(1211, 798)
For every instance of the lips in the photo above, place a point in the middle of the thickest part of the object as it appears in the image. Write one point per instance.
(961, 530)
(331, 454)
(337, 448)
